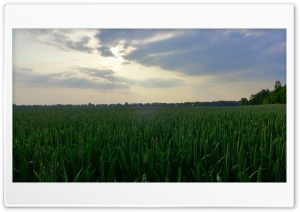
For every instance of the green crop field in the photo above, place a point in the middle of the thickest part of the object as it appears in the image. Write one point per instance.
(178, 144)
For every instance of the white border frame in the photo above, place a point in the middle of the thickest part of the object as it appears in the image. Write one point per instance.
(147, 16)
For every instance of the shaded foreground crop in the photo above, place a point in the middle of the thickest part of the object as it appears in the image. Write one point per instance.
(196, 144)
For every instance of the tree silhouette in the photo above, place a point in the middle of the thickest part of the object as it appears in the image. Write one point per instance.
(244, 101)
(277, 85)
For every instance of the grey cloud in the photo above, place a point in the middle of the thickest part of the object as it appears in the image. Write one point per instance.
(80, 45)
(17, 69)
(84, 83)
(62, 74)
(256, 32)
(209, 52)
(205, 51)
(61, 39)
(148, 83)
(107, 75)
(126, 63)
(113, 36)
(105, 51)
(96, 72)
(62, 80)
(114, 78)
(69, 80)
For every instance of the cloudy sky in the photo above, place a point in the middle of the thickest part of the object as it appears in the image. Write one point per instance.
(107, 66)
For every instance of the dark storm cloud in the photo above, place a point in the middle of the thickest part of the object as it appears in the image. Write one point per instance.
(260, 52)
(63, 80)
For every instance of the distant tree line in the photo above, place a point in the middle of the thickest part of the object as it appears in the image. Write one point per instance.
(277, 96)
(136, 105)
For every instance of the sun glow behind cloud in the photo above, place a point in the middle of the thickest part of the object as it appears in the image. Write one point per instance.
(61, 66)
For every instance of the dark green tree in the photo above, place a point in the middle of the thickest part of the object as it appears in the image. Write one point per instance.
(244, 101)
(257, 99)
(277, 96)
(277, 85)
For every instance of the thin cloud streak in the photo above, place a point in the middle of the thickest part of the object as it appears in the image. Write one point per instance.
(147, 83)
(62, 39)
(52, 80)
(69, 79)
